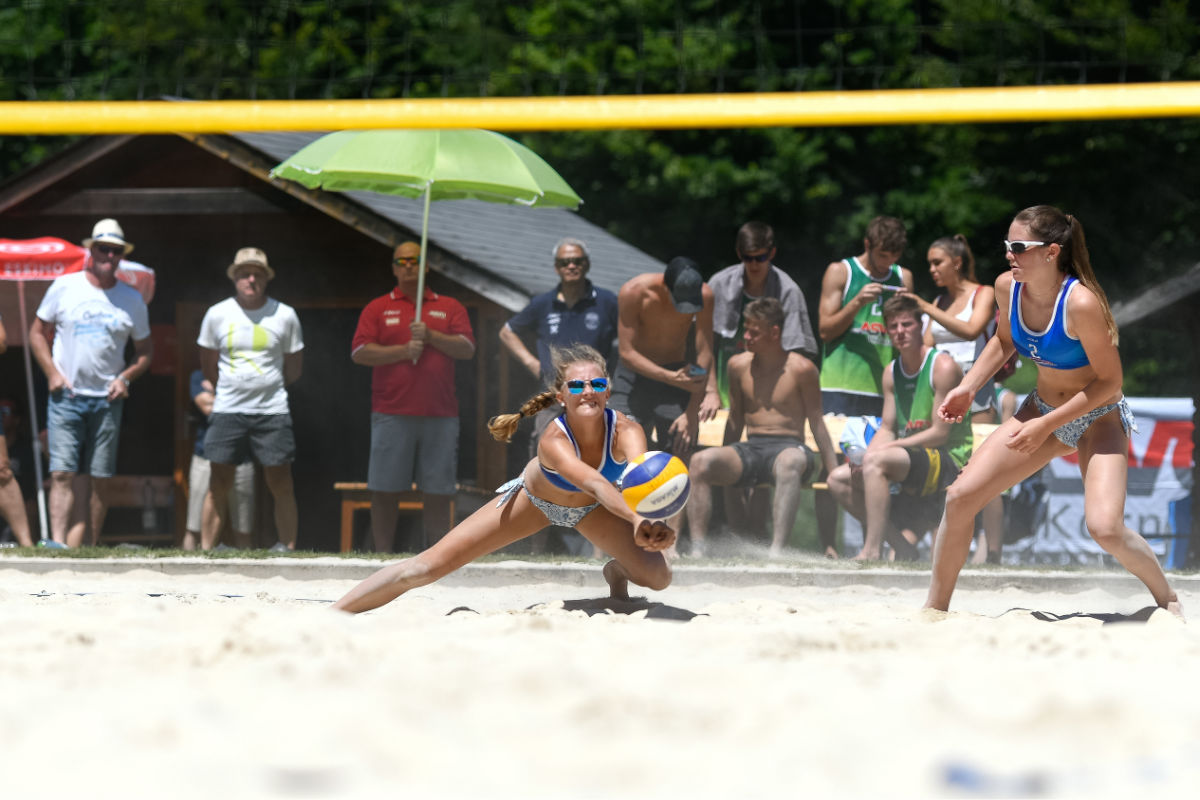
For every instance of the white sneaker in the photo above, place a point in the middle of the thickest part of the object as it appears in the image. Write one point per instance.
(279, 547)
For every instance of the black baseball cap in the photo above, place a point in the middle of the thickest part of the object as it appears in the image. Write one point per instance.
(684, 282)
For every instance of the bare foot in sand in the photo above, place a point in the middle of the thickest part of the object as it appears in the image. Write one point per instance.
(831, 552)
(1176, 608)
(863, 555)
(618, 583)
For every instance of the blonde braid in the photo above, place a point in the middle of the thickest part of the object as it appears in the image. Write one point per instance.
(503, 426)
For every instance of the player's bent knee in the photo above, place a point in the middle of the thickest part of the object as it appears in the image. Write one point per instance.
(660, 577)
(1107, 533)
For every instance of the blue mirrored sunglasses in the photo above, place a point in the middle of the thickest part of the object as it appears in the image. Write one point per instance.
(760, 258)
(597, 384)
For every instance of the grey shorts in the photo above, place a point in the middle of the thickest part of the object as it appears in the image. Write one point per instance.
(1073, 431)
(408, 449)
(236, 438)
(564, 516)
(758, 454)
(241, 496)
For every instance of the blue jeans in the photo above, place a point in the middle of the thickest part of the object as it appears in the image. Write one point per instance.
(83, 433)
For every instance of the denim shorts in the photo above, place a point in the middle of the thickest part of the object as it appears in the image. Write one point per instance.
(407, 448)
(236, 438)
(83, 433)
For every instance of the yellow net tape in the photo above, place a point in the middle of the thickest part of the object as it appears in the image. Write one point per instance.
(893, 107)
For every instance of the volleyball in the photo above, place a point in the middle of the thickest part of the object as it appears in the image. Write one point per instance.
(655, 485)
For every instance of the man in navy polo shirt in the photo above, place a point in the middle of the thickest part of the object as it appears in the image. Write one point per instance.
(574, 312)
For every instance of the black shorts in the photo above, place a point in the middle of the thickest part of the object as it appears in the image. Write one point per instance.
(930, 471)
(758, 454)
(652, 404)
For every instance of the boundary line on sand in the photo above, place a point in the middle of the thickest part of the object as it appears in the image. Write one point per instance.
(508, 573)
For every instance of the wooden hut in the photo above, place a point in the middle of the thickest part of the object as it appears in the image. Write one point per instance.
(188, 202)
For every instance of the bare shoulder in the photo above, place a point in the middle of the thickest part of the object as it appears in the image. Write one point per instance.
(1083, 300)
(1004, 283)
(636, 285)
(740, 362)
(835, 270)
(945, 367)
(625, 423)
(800, 364)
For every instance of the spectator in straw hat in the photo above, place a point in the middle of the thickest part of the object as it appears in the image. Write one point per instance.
(90, 315)
(251, 349)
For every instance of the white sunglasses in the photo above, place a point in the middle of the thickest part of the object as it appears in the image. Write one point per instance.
(1019, 247)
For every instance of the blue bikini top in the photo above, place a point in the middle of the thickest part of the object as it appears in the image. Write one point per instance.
(610, 468)
(1053, 347)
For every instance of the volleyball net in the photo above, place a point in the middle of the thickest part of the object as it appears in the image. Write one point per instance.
(765, 109)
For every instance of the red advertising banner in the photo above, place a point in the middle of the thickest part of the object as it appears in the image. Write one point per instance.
(39, 259)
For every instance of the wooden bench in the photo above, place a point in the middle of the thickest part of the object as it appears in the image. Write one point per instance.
(356, 497)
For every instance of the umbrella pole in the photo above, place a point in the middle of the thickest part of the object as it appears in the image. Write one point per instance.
(424, 243)
(33, 418)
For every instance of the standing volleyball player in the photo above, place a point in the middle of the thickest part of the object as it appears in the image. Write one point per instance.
(1053, 312)
(569, 483)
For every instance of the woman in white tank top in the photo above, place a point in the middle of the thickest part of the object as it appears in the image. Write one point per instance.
(960, 316)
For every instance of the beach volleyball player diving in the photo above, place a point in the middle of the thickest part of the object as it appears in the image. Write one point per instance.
(1054, 313)
(570, 483)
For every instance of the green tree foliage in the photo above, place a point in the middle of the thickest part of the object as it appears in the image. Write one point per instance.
(686, 191)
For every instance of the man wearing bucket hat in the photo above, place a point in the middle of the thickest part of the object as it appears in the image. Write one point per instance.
(661, 381)
(251, 349)
(90, 315)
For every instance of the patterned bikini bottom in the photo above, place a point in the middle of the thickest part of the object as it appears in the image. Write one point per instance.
(1070, 433)
(564, 516)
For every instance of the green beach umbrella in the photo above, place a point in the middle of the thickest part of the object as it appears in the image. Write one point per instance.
(433, 164)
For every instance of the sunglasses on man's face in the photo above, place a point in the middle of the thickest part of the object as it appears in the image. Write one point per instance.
(110, 249)
(566, 262)
(597, 384)
(1019, 247)
(406, 260)
(758, 259)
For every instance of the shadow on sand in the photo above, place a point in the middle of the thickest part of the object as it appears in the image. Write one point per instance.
(607, 605)
(1141, 615)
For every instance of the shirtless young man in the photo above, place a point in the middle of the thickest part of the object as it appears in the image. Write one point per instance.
(772, 392)
(655, 384)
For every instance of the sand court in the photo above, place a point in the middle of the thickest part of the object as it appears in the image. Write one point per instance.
(227, 683)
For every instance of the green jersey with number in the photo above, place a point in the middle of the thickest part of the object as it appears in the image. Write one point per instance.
(853, 363)
(914, 408)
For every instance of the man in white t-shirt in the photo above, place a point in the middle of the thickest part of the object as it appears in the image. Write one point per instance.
(90, 315)
(251, 349)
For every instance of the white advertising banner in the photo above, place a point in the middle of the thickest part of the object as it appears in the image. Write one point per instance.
(1157, 505)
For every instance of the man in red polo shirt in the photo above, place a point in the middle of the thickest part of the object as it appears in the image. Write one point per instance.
(414, 410)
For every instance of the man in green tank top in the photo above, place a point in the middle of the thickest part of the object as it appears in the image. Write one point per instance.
(855, 344)
(913, 448)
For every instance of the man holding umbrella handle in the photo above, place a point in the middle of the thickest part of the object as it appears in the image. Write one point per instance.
(414, 407)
